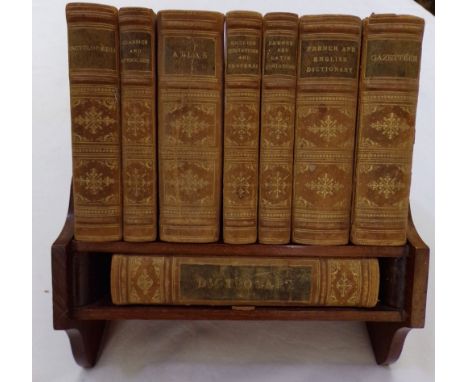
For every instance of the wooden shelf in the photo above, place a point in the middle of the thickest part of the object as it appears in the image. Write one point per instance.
(254, 250)
(112, 312)
(81, 299)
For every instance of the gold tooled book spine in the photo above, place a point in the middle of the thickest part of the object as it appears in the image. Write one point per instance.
(388, 92)
(190, 100)
(280, 37)
(93, 59)
(229, 280)
(241, 126)
(138, 87)
(325, 128)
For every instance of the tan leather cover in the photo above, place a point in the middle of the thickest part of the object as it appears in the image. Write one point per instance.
(241, 126)
(93, 59)
(280, 37)
(244, 281)
(190, 82)
(138, 86)
(389, 82)
(325, 128)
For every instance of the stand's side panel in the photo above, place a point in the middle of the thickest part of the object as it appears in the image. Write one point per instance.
(388, 338)
(85, 336)
(417, 279)
(61, 272)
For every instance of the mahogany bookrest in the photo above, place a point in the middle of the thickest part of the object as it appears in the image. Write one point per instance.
(81, 290)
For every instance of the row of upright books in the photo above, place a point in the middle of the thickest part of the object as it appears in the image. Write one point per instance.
(190, 125)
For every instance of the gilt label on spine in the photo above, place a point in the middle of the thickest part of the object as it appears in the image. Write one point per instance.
(199, 282)
(243, 53)
(189, 55)
(393, 58)
(329, 58)
(280, 55)
(91, 48)
(135, 49)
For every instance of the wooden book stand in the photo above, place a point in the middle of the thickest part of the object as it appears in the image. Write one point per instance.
(81, 290)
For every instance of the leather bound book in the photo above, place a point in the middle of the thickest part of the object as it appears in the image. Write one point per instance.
(138, 93)
(93, 59)
(325, 128)
(241, 126)
(178, 280)
(280, 35)
(190, 100)
(388, 92)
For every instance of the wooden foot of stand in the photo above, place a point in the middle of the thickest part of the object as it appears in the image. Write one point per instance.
(387, 340)
(82, 307)
(85, 340)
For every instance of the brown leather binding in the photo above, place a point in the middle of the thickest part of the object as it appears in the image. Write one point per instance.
(280, 35)
(388, 91)
(244, 281)
(190, 76)
(138, 86)
(93, 59)
(325, 128)
(241, 126)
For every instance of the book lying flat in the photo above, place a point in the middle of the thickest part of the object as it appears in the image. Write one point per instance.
(231, 280)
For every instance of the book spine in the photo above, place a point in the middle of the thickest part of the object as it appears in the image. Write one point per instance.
(190, 77)
(93, 59)
(388, 91)
(280, 35)
(241, 126)
(179, 280)
(325, 128)
(138, 77)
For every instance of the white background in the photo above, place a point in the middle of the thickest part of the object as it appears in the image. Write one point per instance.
(210, 350)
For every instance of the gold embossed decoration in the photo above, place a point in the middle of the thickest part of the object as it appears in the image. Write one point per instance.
(277, 184)
(345, 282)
(145, 284)
(94, 181)
(390, 126)
(94, 120)
(327, 128)
(138, 122)
(139, 182)
(191, 181)
(386, 186)
(243, 128)
(324, 185)
(190, 123)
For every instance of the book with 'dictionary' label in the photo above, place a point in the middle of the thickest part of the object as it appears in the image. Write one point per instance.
(227, 280)
(325, 128)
